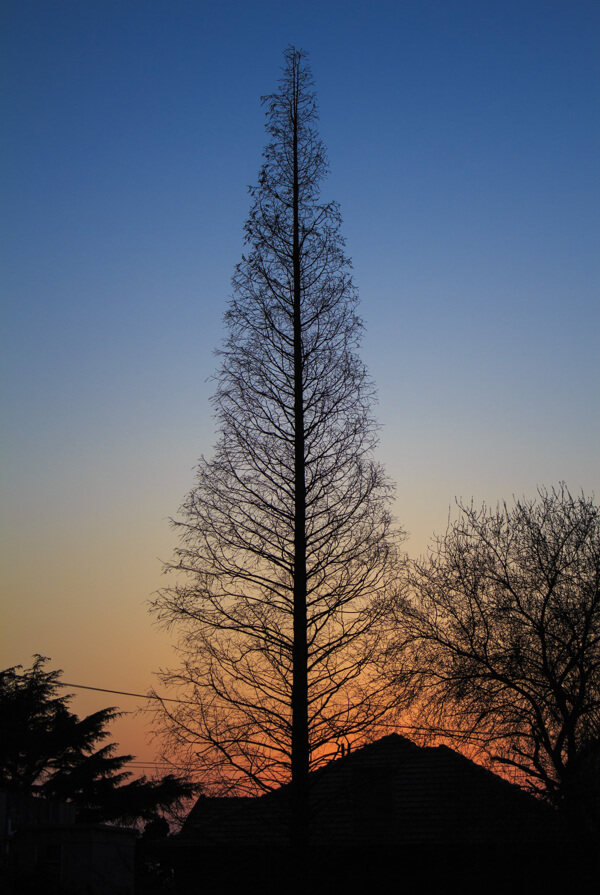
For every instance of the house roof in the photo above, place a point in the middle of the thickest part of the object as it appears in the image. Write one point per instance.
(386, 792)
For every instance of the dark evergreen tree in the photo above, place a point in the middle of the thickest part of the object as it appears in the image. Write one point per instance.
(46, 749)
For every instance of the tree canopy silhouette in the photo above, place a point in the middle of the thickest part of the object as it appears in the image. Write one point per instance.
(504, 620)
(285, 538)
(47, 750)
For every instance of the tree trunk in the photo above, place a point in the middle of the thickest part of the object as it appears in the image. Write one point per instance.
(300, 749)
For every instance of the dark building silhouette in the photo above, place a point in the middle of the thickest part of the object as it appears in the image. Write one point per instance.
(44, 850)
(387, 811)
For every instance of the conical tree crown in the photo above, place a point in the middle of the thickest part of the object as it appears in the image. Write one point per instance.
(285, 538)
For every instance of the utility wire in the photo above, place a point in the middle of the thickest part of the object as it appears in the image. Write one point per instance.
(139, 764)
(440, 731)
(127, 693)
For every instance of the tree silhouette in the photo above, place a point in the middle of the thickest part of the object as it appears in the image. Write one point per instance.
(504, 621)
(46, 749)
(285, 538)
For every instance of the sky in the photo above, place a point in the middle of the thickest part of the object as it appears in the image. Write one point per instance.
(463, 140)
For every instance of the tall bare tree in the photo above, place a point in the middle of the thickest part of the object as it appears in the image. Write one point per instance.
(504, 621)
(285, 538)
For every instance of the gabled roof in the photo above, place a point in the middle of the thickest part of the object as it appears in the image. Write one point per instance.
(389, 791)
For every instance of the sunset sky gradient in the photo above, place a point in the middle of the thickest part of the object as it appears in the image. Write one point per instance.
(463, 139)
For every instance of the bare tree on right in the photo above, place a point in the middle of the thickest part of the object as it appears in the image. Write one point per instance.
(504, 620)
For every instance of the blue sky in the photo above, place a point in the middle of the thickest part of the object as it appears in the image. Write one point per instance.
(463, 140)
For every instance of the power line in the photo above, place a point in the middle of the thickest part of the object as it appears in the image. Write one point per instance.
(127, 693)
(415, 728)
(136, 763)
